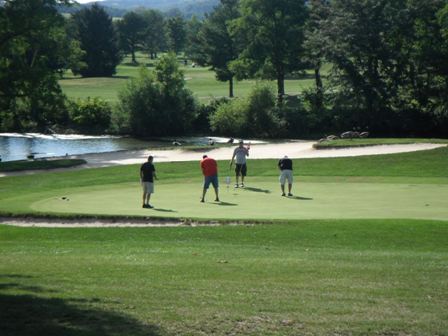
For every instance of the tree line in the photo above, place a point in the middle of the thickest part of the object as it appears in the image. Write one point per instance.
(387, 60)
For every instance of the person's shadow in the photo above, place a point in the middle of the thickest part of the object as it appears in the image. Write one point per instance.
(259, 190)
(32, 315)
(163, 210)
(300, 198)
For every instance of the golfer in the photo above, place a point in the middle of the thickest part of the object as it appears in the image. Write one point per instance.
(285, 166)
(239, 155)
(147, 176)
(210, 171)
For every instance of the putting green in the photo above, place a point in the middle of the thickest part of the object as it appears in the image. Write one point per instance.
(259, 200)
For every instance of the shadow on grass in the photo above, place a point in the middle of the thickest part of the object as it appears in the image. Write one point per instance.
(29, 314)
(225, 204)
(300, 198)
(266, 191)
(164, 210)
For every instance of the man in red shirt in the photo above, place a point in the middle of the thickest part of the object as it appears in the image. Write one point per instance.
(210, 170)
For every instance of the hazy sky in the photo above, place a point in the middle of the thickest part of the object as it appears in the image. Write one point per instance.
(85, 1)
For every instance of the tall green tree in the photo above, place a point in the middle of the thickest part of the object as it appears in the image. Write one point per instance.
(131, 33)
(99, 40)
(314, 45)
(219, 47)
(388, 61)
(274, 35)
(177, 34)
(31, 46)
(155, 38)
(193, 48)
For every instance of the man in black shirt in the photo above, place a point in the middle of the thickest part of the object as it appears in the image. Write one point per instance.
(285, 166)
(147, 176)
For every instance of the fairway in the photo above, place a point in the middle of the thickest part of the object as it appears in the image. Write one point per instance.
(357, 251)
(260, 200)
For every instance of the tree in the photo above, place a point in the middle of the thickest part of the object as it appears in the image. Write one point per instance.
(388, 62)
(98, 39)
(218, 46)
(273, 39)
(31, 43)
(158, 103)
(131, 32)
(193, 48)
(177, 34)
(319, 10)
(155, 34)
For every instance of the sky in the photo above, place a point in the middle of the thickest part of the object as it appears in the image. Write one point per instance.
(86, 1)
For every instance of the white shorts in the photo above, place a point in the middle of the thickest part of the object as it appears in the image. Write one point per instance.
(148, 187)
(286, 175)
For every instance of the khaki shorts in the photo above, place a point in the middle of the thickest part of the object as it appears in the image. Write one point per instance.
(286, 175)
(148, 187)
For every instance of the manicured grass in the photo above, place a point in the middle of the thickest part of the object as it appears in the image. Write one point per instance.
(201, 81)
(340, 143)
(39, 164)
(410, 185)
(291, 277)
(308, 278)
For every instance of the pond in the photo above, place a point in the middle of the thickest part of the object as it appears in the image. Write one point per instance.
(18, 146)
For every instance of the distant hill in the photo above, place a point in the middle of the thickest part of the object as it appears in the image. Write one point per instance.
(118, 7)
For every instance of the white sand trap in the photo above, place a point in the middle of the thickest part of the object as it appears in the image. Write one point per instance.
(294, 149)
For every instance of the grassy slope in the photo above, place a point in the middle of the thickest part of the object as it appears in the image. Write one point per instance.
(39, 164)
(375, 141)
(312, 278)
(200, 80)
(351, 277)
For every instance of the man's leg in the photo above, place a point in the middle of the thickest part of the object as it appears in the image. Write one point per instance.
(282, 186)
(289, 189)
(148, 197)
(204, 191)
(243, 173)
(237, 175)
(217, 194)
(144, 199)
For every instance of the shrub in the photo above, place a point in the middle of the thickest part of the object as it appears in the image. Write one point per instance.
(90, 115)
(158, 103)
(255, 115)
(230, 118)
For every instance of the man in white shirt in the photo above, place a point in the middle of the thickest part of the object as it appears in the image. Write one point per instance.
(239, 156)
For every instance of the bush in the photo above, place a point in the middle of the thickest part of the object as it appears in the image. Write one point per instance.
(90, 115)
(158, 103)
(255, 115)
(230, 118)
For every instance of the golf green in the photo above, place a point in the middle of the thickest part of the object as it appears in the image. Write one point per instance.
(260, 199)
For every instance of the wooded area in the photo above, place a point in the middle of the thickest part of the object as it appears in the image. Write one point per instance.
(388, 61)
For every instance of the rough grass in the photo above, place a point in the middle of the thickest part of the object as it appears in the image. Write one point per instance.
(314, 277)
(346, 143)
(39, 164)
(308, 278)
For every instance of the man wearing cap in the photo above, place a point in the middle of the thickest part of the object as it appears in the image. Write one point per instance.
(210, 171)
(285, 166)
(239, 155)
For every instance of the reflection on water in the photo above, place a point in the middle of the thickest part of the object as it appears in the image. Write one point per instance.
(19, 146)
(15, 146)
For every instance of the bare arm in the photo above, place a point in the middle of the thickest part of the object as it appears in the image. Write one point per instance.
(233, 157)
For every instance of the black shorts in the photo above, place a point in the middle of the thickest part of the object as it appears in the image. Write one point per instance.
(241, 169)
